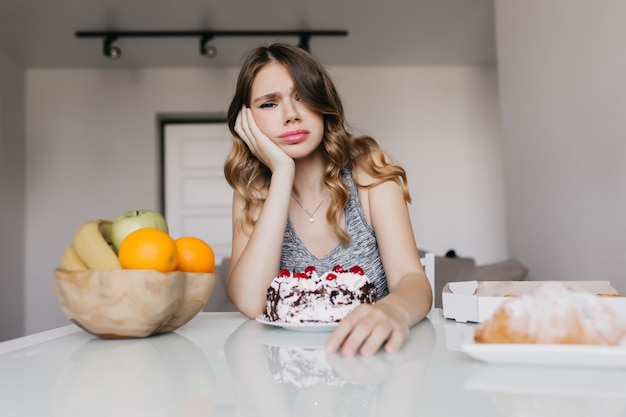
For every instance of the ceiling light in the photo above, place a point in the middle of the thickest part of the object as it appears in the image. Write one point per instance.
(207, 50)
(109, 50)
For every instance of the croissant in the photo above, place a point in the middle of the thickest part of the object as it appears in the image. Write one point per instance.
(554, 314)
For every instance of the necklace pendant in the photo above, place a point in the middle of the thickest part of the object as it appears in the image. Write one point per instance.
(311, 214)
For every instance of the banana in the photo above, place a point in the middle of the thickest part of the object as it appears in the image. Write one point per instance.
(71, 261)
(92, 243)
(105, 227)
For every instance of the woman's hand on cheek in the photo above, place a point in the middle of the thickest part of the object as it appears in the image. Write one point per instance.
(259, 144)
(367, 329)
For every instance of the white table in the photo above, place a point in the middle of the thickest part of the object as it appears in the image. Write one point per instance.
(221, 364)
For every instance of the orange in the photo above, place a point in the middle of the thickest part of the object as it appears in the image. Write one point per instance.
(149, 248)
(194, 255)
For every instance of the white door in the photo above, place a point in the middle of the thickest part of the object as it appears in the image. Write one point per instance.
(198, 199)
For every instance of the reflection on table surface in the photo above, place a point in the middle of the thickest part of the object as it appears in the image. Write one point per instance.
(286, 373)
(165, 375)
(544, 391)
(223, 365)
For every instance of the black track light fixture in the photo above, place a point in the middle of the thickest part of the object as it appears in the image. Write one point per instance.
(206, 49)
(109, 50)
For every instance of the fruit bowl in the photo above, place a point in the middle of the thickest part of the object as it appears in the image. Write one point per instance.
(129, 303)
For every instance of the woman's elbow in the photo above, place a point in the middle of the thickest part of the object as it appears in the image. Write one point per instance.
(250, 312)
(245, 303)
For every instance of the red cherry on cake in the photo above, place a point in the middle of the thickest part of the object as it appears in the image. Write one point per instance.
(338, 269)
(331, 277)
(301, 275)
(309, 270)
(357, 270)
(284, 273)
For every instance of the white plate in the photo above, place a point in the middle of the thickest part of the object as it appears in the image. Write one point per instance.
(300, 327)
(546, 354)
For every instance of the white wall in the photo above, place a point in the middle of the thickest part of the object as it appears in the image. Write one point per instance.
(442, 124)
(11, 197)
(92, 152)
(562, 70)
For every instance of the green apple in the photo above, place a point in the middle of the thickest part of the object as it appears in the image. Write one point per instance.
(129, 221)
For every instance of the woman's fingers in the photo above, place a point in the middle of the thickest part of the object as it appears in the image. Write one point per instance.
(250, 124)
(242, 127)
(365, 331)
(249, 132)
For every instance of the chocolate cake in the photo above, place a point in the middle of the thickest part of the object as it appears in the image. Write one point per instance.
(307, 297)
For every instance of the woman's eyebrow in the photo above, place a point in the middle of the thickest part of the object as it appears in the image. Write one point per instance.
(266, 97)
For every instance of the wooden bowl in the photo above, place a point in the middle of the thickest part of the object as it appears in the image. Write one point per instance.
(128, 303)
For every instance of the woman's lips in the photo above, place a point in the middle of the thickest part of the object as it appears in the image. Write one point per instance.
(294, 136)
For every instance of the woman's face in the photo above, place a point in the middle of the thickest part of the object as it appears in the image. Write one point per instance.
(281, 115)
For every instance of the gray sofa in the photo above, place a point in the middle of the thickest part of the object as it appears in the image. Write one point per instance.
(453, 268)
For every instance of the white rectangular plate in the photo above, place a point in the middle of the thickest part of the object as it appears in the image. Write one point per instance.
(546, 354)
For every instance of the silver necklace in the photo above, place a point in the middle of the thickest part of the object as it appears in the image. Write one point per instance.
(311, 214)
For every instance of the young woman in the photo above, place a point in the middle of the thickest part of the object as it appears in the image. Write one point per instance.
(308, 192)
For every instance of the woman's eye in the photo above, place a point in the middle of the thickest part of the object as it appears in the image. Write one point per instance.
(267, 105)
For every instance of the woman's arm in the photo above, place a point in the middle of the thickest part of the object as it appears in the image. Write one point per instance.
(256, 252)
(408, 284)
(387, 322)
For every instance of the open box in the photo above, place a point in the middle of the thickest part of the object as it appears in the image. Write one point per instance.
(476, 301)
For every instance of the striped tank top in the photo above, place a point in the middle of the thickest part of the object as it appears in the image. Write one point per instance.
(363, 249)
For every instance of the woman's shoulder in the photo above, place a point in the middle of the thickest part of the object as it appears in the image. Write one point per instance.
(360, 174)
(386, 186)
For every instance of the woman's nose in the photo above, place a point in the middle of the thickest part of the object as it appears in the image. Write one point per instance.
(291, 113)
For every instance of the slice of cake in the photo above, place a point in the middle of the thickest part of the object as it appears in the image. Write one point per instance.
(307, 297)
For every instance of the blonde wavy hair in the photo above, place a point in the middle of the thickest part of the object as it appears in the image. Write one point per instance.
(250, 178)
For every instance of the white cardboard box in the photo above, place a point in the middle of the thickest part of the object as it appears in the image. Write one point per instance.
(476, 301)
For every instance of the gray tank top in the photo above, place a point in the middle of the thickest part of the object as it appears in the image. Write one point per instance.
(363, 249)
